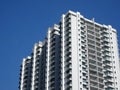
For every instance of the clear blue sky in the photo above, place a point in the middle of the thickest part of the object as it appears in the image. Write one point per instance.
(24, 22)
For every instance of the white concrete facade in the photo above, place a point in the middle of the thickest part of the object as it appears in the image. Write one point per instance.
(77, 54)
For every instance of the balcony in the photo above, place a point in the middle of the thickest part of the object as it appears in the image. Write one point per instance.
(90, 31)
(109, 87)
(105, 50)
(93, 67)
(84, 66)
(110, 80)
(107, 72)
(51, 73)
(84, 82)
(67, 43)
(52, 57)
(68, 76)
(105, 40)
(82, 27)
(67, 46)
(93, 88)
(107, 69)
(93, 72)
(100, 74)
(68, 17)
(67, 29)
(51, 68)
(68, 25)
(94, 84)
(106, 56)
(106, 44)
(91, 42)
(67, 37)
(101, 86)
(68, 86)
(67, 32)
(82, 31)
(105, 31)
(108, 76)
(52, 62)
(67, 54)
(67, 63)
(105, 35)
(84, 71)
(68, 50)
(83, 41)
(107, 66)
(68, 66)
(83, 60)
(105, 47)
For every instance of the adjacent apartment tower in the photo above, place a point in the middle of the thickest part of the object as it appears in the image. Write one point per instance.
(77, 54)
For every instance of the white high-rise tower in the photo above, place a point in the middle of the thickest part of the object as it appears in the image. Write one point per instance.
(77, 54)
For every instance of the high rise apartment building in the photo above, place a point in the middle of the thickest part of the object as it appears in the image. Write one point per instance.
(77, 54)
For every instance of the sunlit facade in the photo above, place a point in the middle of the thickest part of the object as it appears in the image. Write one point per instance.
(77, 54)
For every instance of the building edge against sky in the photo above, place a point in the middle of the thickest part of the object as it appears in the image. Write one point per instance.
(77, 54)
